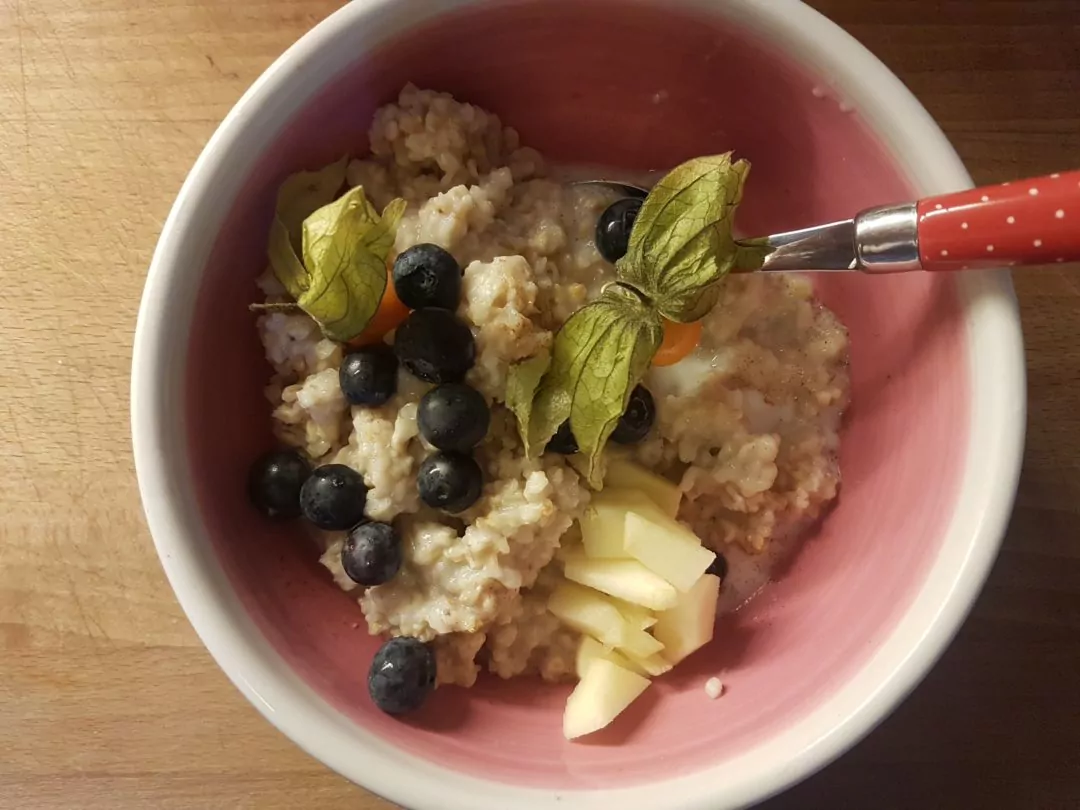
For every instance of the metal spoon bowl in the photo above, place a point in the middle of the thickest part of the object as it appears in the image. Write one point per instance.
(623, 189)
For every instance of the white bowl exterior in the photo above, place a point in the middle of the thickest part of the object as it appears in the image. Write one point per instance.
(972, 538)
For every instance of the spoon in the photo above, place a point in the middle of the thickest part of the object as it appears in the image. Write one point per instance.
(1025, 222)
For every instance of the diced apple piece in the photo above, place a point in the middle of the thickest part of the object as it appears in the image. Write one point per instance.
(635, 615)
(588, 612)
(626, 474)
(602, 527)
(639, 645)
(626, 579)
(689, 625)
(666, 548)
(628, 499)
(592, 650)
(604, 692)
(654, 664)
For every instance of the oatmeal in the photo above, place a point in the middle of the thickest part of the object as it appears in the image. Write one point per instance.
(745, 426)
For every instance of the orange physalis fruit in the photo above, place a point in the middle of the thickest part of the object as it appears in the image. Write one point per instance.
(679, 340)
(389, 316)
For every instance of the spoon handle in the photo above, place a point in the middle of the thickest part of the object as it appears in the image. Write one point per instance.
(1020, 223)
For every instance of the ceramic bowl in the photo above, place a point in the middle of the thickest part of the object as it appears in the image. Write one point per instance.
(931, 445)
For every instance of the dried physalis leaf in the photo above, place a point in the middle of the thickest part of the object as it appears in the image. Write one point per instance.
(522, 380)
(599, 355)
(298, 197)
(681, 244)
(345, 247)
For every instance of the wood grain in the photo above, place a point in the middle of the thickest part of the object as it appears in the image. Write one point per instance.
(107, 700)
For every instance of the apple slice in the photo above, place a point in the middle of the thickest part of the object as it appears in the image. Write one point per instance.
(591, 650)
(639, 645)
(626, 579)
(602, 529)
(654, 664)
(603, 693)
(635, 615)
(589, 613)
(689, 625)
(625, 474)
(666, 548)
(602, 524)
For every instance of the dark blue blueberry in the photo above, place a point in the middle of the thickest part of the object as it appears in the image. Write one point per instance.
(427, 276)
(274, 483)
(333, 497)
(563, 441)
(614, 226)
(369, 376)
(449, 481)
(402, 675)
(435, 345)
(637, 419)
(453, 416)
(372, 553)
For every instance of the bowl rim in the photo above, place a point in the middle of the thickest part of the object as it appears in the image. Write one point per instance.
(972, 539)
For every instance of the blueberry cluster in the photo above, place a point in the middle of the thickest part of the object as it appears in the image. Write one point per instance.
(434, 345)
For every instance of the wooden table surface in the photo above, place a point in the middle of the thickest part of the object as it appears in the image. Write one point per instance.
(107, 699)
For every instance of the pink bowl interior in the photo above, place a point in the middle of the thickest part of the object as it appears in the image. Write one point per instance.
(642, 88)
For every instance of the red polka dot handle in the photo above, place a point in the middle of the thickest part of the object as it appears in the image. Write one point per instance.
(1024, 222)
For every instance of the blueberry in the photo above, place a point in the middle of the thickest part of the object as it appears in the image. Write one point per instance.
(333, 497)
(563, 441)
(614, 226)
(449, 481)
(274, 483)
(718, 567)
(427, 276)
(435, 345)
(402, 675)
(637, 419)
(372, 553)
(453, 416)
(369, 376)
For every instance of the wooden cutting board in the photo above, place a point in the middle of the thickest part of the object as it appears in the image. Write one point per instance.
(107, 700)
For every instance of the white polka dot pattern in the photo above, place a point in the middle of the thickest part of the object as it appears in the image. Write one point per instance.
(1021, 223)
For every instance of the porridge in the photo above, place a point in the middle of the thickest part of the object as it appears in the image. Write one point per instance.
(471, 537)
